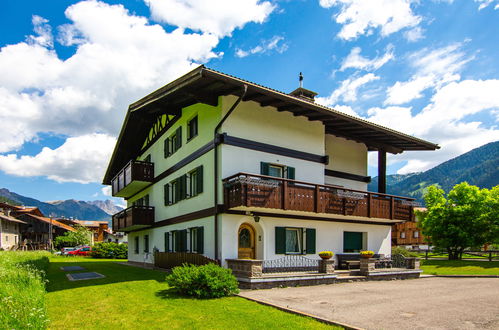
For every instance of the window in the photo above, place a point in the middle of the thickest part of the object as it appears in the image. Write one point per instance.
(143, 201)
(179, 240)
(173, 142)
(192, 128)
(146, 243)
(415, 234)
(294, 240)
(402, 234)
(354, 241)
(185, 186)
(195, 182)
(196, 239)
(136, 245)
(276, 170)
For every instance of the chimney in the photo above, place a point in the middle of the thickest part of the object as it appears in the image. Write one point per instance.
(303, 93)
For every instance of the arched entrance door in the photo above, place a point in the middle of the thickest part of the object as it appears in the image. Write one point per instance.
(246, 242)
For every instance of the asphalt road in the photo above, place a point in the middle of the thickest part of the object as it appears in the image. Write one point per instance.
(426, 303)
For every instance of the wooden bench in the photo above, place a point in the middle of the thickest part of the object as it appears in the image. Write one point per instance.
(351, 261)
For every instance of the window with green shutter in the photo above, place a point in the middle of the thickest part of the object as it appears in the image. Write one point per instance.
(192, 128)
(352, 241)
(195, 182)
(136, 245)
(310, 237)
(277, 170)
(167, 242)
(173, 142)
(166, 189)
(280, 240)
(196, 239)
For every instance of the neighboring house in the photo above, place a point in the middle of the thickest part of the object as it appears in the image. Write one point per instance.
(18, 210)
(10, 230)
(220, 166)
(99, 229)
(408, 234)
(40, 230)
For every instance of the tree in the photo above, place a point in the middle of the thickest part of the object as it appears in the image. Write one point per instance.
(466, 218)
(81, 236)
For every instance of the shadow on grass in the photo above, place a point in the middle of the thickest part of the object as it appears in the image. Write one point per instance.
(113, 271)
(460, 263)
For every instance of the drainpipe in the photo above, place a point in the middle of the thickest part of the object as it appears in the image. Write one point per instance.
(215, 158)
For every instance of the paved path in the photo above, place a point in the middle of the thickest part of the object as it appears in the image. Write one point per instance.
(426, 303)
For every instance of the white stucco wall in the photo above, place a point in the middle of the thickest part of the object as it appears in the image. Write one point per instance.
(346, 156)
(267, 125)
(329, 235)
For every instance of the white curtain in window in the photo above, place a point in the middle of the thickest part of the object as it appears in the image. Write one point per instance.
(292, 240)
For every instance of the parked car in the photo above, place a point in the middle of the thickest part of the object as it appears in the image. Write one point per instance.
(83, 251)
(66, 250)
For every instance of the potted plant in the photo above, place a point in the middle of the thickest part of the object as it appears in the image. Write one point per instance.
(367, 254)
(326, 255)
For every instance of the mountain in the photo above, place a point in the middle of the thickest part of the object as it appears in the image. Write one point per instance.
(69, 208)
(479, 167)
(107, 206)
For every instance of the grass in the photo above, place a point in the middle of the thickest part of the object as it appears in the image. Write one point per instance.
(22, 290)
(136, 298)
(460, 267)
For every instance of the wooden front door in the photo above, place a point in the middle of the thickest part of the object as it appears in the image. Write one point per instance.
(246, 242)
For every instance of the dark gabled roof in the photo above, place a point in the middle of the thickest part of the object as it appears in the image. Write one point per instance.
(206, 85)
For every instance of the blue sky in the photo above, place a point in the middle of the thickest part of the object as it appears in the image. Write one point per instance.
(68, 70)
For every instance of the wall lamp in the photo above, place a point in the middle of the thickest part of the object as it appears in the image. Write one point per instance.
(255, 217)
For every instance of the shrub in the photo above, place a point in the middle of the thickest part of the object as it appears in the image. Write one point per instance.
(403, 251)
(22, 290)
(207, 281)
(110, 250)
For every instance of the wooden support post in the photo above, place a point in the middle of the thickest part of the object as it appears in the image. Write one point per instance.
(284, 196)
(369, 204)
(316, 199)
(382, 171)
(392, 207)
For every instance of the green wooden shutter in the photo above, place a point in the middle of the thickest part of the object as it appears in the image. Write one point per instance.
(199, 182)
(167, 147)
(310, 235)
(167, 242)
(167, 194)
(352, 241)
(183, 187)
(200, 247)
(175, 241)
(290, 172)
(183, 234)
(280, 240)
(179, 138)
(177, 190)
(264, 168)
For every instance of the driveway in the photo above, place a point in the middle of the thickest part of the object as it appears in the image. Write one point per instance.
(425, 303)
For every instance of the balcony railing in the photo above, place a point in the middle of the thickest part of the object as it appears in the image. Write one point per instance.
(133, 218)
(133, 177)
(251, 190)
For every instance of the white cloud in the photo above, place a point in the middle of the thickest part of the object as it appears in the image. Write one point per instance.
(486, 3)
(218, 17)
(79, 159)
(414, 34)
(119, 58)
(347, 90)
(433, 69)
(274, 44)
(357, 61)
(106, 191)
(360, 17)
(444, 121)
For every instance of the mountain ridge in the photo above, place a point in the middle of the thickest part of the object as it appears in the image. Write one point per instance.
(67, 208)
(479, 167)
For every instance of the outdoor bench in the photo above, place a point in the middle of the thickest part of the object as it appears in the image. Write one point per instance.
(351, 261)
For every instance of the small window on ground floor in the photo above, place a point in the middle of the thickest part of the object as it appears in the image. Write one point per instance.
(354, 241)
(416, 234)
(136, 245)
(402, 234)
(292, 240)
(196, 239)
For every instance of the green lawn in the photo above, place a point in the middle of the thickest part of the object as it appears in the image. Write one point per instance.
(460, 267)
(136, 298)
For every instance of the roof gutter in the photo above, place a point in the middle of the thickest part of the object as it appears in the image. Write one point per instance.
(215, 159)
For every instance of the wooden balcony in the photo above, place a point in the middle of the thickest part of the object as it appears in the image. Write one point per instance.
(132, 178)
(250, 191)
(133, 218)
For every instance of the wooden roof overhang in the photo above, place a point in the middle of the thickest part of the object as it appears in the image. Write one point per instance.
(203, 85)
